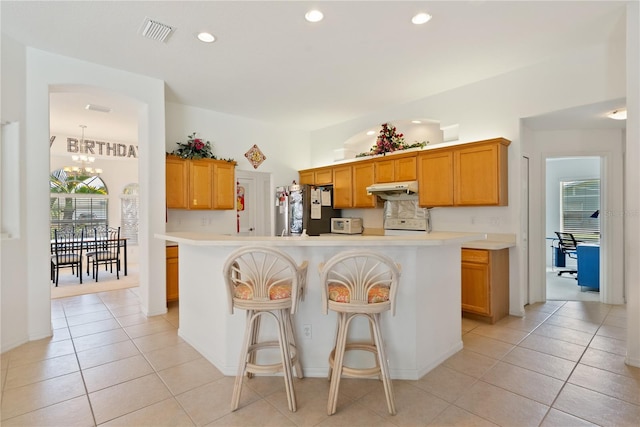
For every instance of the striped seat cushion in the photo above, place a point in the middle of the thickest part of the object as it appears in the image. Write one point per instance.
(102, 256)
(66, 258)
(280, 291)
(339, 293)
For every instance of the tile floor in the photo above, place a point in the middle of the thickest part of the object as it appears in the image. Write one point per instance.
(108, 365)
(565, 288)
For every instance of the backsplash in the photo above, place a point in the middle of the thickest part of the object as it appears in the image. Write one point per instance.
(205, 221)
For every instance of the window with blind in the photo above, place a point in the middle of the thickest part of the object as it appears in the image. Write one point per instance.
(580, 208)
(129, 213)
(78, 211)
(77, 203)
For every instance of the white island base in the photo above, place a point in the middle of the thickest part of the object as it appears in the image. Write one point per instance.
(425, 330)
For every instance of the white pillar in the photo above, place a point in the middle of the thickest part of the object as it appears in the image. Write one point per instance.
(632, 190)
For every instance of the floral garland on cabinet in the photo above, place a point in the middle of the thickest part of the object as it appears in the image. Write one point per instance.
(196, 148)
(389, 140)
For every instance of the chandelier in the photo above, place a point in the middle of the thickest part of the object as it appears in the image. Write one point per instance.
(82, 168)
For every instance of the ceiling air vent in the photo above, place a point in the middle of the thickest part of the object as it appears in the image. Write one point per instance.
(155, 30)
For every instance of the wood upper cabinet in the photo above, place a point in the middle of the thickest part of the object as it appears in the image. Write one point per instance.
(177, 176)
(319, 176)
(399, 168)
(472, 174)
(224, 185)
(485, 283)
(481, 174)
(342, 187)
(306, 177)
(200, 184)
(363, 176)
(435, 178)
(350, 184)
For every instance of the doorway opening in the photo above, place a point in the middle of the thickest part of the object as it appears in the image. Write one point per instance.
(109, 144)
(253, 204)
(573, 194)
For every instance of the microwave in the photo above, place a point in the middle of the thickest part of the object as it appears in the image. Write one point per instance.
(346, 225)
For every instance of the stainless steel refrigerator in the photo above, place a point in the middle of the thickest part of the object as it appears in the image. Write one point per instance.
(304, 207)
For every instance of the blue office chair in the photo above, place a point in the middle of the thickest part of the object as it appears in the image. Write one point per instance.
(569, 247)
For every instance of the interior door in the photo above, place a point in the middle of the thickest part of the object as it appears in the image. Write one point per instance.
(253, 203)
(246, 206)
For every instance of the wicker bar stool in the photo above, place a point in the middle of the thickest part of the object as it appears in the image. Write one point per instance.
(265, 282)
(359, 283)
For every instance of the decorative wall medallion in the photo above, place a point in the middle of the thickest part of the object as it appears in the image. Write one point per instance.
(255, 156)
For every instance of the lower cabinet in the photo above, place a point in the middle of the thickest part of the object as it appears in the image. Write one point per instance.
(485, 284)
(172, 273)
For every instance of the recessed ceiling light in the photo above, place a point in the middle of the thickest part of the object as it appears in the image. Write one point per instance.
(206, 37)
(421, 18)
(313, 16)
(620, 114)
(371, 132)
(417, 122)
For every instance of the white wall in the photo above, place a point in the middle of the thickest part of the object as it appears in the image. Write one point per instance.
(632, 185)
(286, 151)
(493, 108)
(117, 172)
(43, 71)
(14, 300)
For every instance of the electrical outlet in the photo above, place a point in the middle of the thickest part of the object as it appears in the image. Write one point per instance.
(306, 331)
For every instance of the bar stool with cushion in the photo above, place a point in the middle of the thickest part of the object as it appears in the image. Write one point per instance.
(359, 283)
(265, 281)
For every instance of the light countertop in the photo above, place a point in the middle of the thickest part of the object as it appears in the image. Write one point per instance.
(493, 242)
(432, 239)
(467, 240)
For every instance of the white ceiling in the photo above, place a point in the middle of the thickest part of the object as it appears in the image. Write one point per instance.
(269, 64)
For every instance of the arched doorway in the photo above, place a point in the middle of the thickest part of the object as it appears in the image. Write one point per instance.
(109, 123)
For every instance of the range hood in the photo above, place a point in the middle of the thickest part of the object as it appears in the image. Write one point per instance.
(405, 190)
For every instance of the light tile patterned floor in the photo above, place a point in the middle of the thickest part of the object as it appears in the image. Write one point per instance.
(109, 365)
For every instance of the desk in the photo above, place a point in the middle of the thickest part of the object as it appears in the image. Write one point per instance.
(87, 245)
(589, 266)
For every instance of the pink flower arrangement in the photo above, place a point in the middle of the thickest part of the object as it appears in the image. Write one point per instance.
(390, 140)
(194, 148)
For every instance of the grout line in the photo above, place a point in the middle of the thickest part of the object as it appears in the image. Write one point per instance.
(75, 353)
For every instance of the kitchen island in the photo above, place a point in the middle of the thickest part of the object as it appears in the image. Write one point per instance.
(425, 330)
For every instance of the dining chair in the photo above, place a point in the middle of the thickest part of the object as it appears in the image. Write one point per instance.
(67, 252)
(107, 253)
(93, 237)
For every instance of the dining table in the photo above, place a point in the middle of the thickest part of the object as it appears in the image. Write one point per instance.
(89, 244)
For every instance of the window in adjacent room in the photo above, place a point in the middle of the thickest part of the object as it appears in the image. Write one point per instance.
(77, 202)
(129, 213)
(580, 208)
